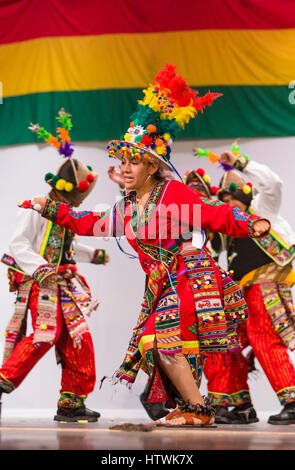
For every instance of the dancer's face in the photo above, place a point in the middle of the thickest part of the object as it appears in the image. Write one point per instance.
(136, 172)
(196, 185)
(231, 201)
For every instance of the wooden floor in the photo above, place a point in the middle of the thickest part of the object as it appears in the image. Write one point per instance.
(45, 434)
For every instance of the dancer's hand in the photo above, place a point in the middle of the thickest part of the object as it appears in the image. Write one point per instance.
(116, 176)
(261, 228)
(100, 257)
(228, 158)
(37, 203)
(67, 270)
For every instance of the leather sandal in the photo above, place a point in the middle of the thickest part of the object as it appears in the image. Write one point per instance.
(188, 415)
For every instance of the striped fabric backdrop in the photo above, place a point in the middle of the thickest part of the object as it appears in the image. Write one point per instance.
(94, 57)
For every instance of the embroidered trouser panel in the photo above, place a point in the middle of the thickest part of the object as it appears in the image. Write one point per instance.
(227, 375)
(78, 364)
(226, 380)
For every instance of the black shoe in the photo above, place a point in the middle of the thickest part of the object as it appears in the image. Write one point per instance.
(244, 414)
(222, 415)
(286, 416)
(74, 415)
(241, 414)
(154, 410)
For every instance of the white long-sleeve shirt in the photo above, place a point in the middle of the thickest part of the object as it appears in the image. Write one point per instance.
(267, 202)
(27, 239)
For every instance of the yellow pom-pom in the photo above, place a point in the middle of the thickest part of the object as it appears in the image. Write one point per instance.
(60, 185)
(166, 136)
(69, 187)
(246, 189)
(53, 299)
(43, 327)
(127, 137)
(160, 150)
(206, 178)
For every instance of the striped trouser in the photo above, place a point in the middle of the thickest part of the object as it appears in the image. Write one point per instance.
(227, 376)
(78, 365)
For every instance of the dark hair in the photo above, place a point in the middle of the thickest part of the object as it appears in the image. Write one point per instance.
(163, 172)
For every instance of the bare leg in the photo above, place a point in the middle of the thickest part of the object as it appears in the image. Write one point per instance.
(179, 372)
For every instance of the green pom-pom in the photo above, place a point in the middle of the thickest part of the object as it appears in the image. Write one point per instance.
(89, 168)
(138, 138)
(232, 187)
(55, 179)
(48, 176)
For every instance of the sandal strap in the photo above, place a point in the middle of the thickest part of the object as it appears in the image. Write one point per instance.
(208, 409)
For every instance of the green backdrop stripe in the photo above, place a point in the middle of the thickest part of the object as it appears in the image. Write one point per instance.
(243, 111)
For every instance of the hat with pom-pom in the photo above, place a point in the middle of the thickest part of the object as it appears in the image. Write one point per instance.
(73, 180)
(233, 184)
(199, 180)
(168, 105)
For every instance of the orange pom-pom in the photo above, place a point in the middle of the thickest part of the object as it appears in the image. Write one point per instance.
(159, 142)
(151, 128)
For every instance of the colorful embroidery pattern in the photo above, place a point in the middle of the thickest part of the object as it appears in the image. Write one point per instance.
(70, 400)
(9, 261)
(72, 313)
(51, 209)
(213, 328)
(275, 250)
(216, 324)
(287, 395)
(234, 399)
(275, 247)
(277, 298)
(16, 328)
(5, 384)
(239, 215)
(211, 202)
(74, 306)
(78, 215)
(54, 244)
(167, 321)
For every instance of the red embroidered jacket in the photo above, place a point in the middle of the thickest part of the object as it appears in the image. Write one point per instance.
(173, 209)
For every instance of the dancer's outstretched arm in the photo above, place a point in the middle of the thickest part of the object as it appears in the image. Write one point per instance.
(87, 223)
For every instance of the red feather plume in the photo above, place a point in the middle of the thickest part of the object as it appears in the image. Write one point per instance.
(180, 91)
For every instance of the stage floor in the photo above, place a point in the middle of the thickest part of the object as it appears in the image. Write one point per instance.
(45, 434)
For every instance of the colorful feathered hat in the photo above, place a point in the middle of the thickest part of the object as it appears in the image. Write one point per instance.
(195, 178)
(168, 104)
(73, 180)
